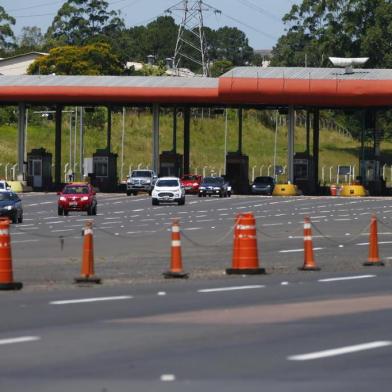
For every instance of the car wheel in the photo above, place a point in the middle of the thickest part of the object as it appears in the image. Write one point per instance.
(228, 194)
(95, 210)
(90, 210)
(149, 193)
(60, 211)
(221, 194)
(181, 202)
(134, 193)
(155, 202)
(65, 213)
(199, 194)
(129, 193)
(15, 218)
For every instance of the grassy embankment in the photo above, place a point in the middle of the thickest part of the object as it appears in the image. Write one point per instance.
(207, 142)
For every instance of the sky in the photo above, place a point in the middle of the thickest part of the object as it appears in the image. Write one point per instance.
(260, 20)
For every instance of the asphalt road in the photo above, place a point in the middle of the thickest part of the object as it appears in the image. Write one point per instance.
(287, 330)
(132, 238)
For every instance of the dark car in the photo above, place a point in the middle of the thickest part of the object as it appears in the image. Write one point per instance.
(77, 197)
(213, 186)
(11, 207)
(263, 185)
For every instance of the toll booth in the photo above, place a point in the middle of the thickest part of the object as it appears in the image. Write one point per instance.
(170, 164)
(371, 176)
(104, 175)
(304, 173)
(39, 169)
(237, 172)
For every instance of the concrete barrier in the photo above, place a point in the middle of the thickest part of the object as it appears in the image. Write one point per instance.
(285, 190)
(353, 191)
(19, 186)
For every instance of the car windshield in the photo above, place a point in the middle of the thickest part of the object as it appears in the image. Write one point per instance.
(79, 190)
(141, 173)
(213, 180)
(2, 185)
(189, 178)
(264, 180)
(167, 183)
(5, 196)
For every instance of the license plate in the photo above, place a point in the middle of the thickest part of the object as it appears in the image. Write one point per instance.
(73, 204)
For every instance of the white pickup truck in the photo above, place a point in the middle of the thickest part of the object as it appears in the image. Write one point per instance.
(141, 180)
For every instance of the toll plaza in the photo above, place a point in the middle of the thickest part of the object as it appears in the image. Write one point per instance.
(284, 88)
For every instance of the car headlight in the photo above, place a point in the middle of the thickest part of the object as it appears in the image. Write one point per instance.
(62, 198)
(202, 188)
(9, 208)
(195, 184)
(216, 188)
(84, 198)
(253, 186)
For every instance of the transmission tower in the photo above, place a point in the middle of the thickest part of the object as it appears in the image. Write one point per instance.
(191, 43)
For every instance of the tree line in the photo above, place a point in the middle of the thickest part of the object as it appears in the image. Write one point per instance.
(85, 37)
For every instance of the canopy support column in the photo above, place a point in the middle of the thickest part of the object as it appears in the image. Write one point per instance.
(21, 175)
(109, 130)
(240, 130)
(316, 142)
(290, 144)
(187, 128)
(174, 130)
(155, 137)
(57, 155)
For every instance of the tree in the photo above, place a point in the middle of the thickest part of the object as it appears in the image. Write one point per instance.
(344, 28)
(79, 22)
(31, 38)
(231, 44)
(94, 59)
(220, 67)
(7, 37)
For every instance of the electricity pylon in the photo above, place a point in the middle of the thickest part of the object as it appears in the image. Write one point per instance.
(191, 42)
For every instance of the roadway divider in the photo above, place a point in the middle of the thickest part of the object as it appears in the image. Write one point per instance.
(245, 259)
(176, 256)
(6, 271)
(374, 258)
(87, 271)
(309, 263)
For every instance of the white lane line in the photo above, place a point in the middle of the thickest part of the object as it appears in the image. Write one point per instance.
(296, 250)
(22, 241)
(272, 224)
(230, 288)
(339, 351)
(85, 300)
(380, 242)
(192, 228)
(60, 230)
(22, 339)
(168, 377)
(347, 278)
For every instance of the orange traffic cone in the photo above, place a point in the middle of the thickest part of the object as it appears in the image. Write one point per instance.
(6, 275)
(309, 263)
(87, 271)
(245, 255)
(374, 258)
(176, 258)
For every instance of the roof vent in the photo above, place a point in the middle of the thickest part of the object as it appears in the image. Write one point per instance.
(348, 63)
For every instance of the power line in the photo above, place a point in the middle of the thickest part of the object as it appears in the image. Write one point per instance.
(255, 7)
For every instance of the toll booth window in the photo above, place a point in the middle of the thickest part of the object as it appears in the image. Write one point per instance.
(301, 171)
(101, 167)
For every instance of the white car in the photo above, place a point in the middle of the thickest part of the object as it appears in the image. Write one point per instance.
(168, 190)
(4, 187)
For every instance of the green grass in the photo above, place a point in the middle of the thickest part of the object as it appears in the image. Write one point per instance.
(207, 141)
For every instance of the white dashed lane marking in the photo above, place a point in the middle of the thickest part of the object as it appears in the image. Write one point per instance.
(87, 300)
(21, 339)
(339, 351)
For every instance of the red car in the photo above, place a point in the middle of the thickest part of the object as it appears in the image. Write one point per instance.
(77, 196)
(191, 183)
